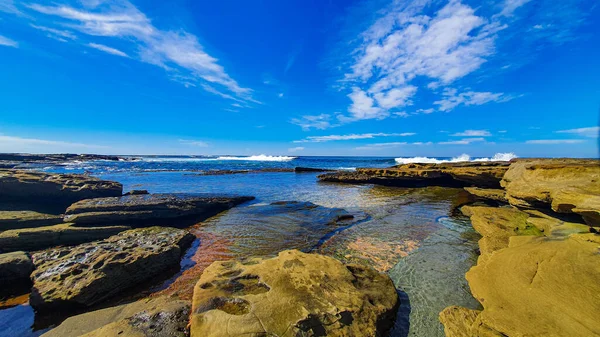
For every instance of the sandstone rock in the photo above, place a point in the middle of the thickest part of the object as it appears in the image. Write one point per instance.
(92, 272)
(136, 192)
(149, 209)
(539, 287)
(294, 294)
(497, 224)
(14, 219)
(488, 194)
(563, 185)
(15, 268)
(481, 174)
(149, 317)
(61, 189)
(51, 236)
(457, 321)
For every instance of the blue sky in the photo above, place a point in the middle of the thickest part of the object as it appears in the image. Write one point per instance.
(382, 78)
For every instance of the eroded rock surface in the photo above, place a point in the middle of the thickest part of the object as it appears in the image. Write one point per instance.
(294, 294)
(30, 239)
(563, 185)
(15, 219)
(494, 194)
(54, 188)
(15, 268)
(149, 317)
(480, 174)
(149, 209)
(92, 272)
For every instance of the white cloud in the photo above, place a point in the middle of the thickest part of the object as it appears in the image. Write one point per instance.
(452, 99)
(592, 131)
(107, 49)
(56, 33)
(307, 122)
(320, 139)
(509, 6)
(464, 141)
(8, 6)
(378, 146)
(473, 133)
(363, 106)
(426, 111)
(175, 51)
(197, 143)
(296, 149)
(280, 95)
(20, 144)
(555, 141)
(4, 41)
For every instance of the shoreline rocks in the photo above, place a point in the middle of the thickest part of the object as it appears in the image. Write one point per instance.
(30, 239)
(17, 219)
(171, 209)
(15, 268)
(58, 189)
(480, 174)
(293, 294)
(92, 272)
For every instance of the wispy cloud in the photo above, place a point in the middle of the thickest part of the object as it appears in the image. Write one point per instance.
(307, 122)
(452, 98)
(464, 141)
(8, 6)
(296, 149)
(473, 133)
(58, 34)
(107, 49)
(4, 41)
(190, 142)
(14, 143)
(379, 146)
(592, 131)
(320, 139)
(555, 141)
(174, 51)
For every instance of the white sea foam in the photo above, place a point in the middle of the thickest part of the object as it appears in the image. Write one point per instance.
(461, 158)
(261, 157)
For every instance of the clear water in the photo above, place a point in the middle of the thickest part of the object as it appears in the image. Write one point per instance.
(412, 234)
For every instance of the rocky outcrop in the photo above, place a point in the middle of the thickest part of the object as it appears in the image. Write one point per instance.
(300, 169)
(60, 157)
(149, 317)
(15, 268)
(538, 287)
(92, 272)
(170, 209)
(15, 219)
(294, 294)
(30, 239)
(563, 185)
(493, 194)
(480, 174)
(62, 189)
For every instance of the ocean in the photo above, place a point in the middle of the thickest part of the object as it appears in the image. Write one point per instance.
(417, 236)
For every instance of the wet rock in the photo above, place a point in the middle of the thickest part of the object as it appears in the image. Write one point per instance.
(92, 272)
(480, 174)
(493, 194)
(137, 192)
(15, 268)
(14, 219)
(30, 239)
(563, 185)
(497, 225)
(538, 287)
(300, 169)
(294, 294)
(27, 157)
(150, 209)
(62, 189)
(149, 317)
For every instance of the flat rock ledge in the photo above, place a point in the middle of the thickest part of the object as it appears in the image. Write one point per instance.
(293, 294)
(154, 317)
(15, 219)
(62, 189)
(150, 209)
(92, 272)
(15, 268)
(479, 174)
(31, 239)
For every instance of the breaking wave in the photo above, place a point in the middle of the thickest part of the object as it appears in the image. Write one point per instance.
(461, 158)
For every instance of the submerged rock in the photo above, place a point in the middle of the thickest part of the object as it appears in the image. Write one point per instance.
(92, 272)
(149, 209)
(480, 174)
(563, 185)
(15, 268)
(538, 287)
(15, 219)
(300, 169)
(294, 294)
(52, 188)
(149, 317)
(50, 236)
